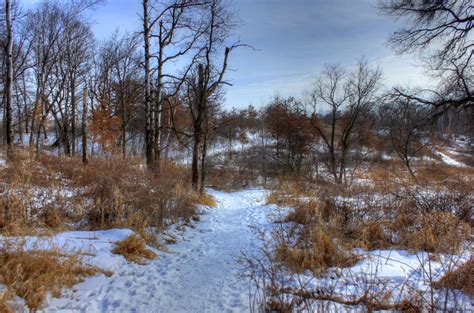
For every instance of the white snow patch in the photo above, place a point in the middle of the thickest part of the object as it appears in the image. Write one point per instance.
(448, 160)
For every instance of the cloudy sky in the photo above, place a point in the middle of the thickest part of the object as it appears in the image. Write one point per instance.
(294, 40)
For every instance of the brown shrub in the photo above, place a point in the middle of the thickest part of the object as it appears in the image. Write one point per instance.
(303, 213)
(54, 191)
(372, 235)
(324, 228)
(134, 249)
(131, 197)
(32, 274)
(316, 253)
(461, 278)
(440, 232)
(228, 179)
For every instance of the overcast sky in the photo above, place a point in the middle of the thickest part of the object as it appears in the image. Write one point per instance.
(294, 38)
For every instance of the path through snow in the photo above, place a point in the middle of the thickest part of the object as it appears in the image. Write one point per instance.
(199, 274)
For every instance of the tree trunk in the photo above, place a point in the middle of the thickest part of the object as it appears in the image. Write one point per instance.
(159, 103)
(195, 163)
(73, 115)
(85, 160)
(124, 128)
(9, 80)
(65, 120)
(203, 164)
(149, 147)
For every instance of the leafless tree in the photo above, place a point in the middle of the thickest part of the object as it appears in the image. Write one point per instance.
(404, 125)
(289, 126)
(79, 42)
(60, 41)
(350, 97)
(442, 31)
(176, 33)
(203, 84)
(120, 74)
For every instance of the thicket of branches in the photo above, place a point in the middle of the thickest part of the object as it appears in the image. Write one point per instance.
(63, 88)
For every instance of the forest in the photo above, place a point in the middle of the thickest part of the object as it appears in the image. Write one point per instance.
(130, 183)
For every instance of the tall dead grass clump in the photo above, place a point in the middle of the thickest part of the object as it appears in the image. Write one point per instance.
(33, 274)
(323, 226)
(316, 252)
(134, 249)
(306, 240)
(437, 232)
(205, 200)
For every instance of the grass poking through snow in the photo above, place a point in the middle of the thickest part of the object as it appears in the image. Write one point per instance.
(134, 249)
(33, 274)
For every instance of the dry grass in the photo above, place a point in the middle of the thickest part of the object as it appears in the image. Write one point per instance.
(229, 178)
(205, 200)
(325, 224)
(316, 253)
(33, 274)
(438, 232)
(461, 279)
(307, 242)
(56, 191)
(134, 249)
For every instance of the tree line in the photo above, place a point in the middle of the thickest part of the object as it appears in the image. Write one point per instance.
(161, 87)
(126, 92)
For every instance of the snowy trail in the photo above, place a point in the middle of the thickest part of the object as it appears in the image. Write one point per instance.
(199, 274)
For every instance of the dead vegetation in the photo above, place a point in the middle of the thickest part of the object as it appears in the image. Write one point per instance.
(33, 274)
(323, 224)
(461, 278)
(58, 193)
(134, 249)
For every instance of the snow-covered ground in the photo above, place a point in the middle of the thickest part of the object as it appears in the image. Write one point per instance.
(200, 273)
(447, 159)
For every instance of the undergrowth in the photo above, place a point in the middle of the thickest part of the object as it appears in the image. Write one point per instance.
(323, 225)
(33, 274)
(58, 193)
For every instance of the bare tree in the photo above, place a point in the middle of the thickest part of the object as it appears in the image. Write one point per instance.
(61, 45)
(149, 146)
(350, 98)
(204, 83)
(441, 30)
(79, 41)
(120, 74)
(169, 24)
(404, 125)
(288, 124)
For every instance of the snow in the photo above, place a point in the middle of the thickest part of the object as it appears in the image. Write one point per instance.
(200, 273)
(95, 245)
(397, 274)
(448, 160)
